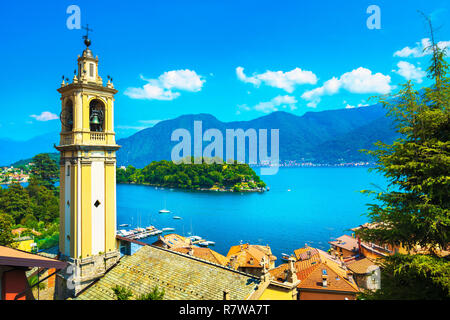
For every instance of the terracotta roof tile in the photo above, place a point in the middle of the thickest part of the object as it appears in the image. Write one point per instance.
(250, 256)
(345, 242)
(205, 254)
(360, 266)
(309, 265)
(182, 277)
(334, 281)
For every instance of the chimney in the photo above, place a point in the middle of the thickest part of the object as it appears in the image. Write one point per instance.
(291, 274)
(226, 295)
(350, 276)
(324, 278)
(251, 260)
(191, 250)
(232, 262)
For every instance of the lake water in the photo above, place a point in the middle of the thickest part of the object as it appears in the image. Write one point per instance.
(322, 204)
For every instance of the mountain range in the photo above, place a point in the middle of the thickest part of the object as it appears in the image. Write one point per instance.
(332, 136)
(12, 150)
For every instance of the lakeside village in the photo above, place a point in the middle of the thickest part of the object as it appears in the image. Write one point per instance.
(347, 269)
(13, 174)
(21, 174)
(93, 260)
(188, 268)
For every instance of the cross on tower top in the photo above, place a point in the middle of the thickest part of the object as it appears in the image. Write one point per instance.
(87, 41)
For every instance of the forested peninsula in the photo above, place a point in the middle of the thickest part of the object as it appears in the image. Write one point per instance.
(224, 177)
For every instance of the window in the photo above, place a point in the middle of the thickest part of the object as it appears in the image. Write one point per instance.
(91, 69)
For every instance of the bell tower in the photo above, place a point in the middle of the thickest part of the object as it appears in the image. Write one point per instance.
(87, 237)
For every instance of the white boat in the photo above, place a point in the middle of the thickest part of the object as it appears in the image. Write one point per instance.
(206, 243)
(124, 225)
(195, 238)
(203, 243)
(164, 211)
(168, 229)
(285, 256)
(177, 217)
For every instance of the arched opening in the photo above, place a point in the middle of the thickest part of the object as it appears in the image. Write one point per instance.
(96, 116)
(66, 116)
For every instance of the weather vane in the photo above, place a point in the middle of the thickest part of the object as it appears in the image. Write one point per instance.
(87, 42)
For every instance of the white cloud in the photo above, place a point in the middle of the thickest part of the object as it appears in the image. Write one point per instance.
(360, 81)
(277, 103)
(167, 85)
(150, 122)
(419, 50)
(45, 116)
(410, 71)
(125, 127)
(279, 79)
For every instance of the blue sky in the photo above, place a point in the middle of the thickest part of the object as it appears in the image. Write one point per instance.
(237, 60)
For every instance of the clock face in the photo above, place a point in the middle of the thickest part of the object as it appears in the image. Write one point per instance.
(66, 118)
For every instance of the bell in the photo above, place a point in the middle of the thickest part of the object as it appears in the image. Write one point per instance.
(95, 119)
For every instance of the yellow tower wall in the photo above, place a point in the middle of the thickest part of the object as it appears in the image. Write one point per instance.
(110, 206)
(86, 216)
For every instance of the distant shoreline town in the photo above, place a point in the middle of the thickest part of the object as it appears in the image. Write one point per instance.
(295, 164)
(12, 174)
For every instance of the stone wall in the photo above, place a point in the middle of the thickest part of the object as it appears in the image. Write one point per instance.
(80, 273)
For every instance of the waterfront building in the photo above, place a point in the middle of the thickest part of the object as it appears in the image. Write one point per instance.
(320, 276)
(172, 241)
(251, 258)
(87, 176)
(345, 247)
(366, 273)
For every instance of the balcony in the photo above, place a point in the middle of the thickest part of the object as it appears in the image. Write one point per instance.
(95, 138)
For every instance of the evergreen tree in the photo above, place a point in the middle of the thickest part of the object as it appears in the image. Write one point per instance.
(6, 223)
(414, 211)
(45, 170)
(16, 202)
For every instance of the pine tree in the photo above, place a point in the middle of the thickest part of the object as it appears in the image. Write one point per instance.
(414, 211)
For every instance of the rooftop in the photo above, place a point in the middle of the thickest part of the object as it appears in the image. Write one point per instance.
(334, 281)
(18, 258)
(172, 241)
(182, 277)
(345, 242)
(309, 265)
(361, 266)
(251, 256)
(205, 254)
